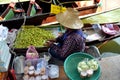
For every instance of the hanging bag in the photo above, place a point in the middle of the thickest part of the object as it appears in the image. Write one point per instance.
(32, 53)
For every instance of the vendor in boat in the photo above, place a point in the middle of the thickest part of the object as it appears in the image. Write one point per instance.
(36, 7)
(72, 40)
(18, 10)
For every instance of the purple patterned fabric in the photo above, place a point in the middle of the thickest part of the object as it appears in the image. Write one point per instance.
(72, 42)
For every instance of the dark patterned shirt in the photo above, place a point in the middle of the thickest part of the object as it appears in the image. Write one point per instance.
(72, 42)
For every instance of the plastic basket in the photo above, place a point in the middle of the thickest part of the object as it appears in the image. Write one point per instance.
(70, 67)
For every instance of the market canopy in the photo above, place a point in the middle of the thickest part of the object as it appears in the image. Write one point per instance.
(8, 1)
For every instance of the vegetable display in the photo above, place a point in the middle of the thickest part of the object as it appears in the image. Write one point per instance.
(86, 68)
(30, 35)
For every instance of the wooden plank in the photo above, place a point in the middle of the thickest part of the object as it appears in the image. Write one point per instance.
(8, 1)
(3, 75)
(110, 68)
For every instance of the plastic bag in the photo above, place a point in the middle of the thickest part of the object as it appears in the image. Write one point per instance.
(3, 32)
(39, 65)
(53, 71)
(32, 53)
(31, 62)
(5, 56)
(19, 64)
(11, 36)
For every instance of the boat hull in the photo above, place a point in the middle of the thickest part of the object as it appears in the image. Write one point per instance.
(26, 20)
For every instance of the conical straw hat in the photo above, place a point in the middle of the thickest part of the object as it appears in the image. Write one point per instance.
(69, 19)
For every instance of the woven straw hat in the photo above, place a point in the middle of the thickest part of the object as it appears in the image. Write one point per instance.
(70, 19)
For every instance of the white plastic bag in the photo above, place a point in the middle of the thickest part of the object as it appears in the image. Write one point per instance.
(3, 32)
(53, 71)
(18, 64)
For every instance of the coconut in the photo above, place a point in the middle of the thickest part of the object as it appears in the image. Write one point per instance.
(26, 70)
(26, 77)
(31, 68)
(89, 72)
(83, 74)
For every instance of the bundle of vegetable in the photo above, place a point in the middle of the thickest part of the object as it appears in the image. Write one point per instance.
(86, 68)
(32, 36)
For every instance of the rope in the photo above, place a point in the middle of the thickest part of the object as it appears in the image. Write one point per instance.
(46, 1)
(23, 13)
(54, 2)
(24, 20)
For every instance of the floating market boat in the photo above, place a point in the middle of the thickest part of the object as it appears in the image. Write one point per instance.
(92, 23)
(95, 35)
(99, 33)
(18, 17)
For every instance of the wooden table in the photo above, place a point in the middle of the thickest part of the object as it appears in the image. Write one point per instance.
(3, 75)
(62, 75)
(110, 68)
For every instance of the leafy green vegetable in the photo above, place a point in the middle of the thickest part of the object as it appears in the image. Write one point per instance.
(32, 36)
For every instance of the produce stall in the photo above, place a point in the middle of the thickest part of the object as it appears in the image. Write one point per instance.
(36, 36)
(34, 63)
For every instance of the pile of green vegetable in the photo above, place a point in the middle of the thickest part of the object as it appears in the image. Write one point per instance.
(30, 35)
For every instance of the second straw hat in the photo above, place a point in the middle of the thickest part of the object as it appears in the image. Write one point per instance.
(69, 19)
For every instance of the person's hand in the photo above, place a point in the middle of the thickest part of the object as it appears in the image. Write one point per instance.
(1, 18)
(32, 1)
(19, 10)
(60, 34)
(48, 43)
(52, 40)
(12, 4)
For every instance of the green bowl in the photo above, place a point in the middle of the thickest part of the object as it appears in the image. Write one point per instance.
(70, 67)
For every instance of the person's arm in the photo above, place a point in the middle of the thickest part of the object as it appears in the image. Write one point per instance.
(10, 6)
(72, 43)
(52, 41)
(63, 52)
(38, 8)
(30, 7)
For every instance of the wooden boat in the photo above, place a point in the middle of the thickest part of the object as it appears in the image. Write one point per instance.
(101, 18)
(100, 33)
(95, 35)
(15, 21)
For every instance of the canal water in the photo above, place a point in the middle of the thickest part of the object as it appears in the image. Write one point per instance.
(111, 46)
